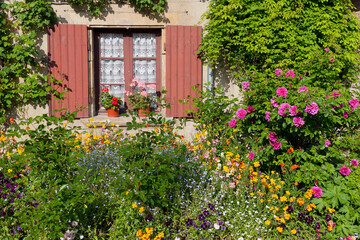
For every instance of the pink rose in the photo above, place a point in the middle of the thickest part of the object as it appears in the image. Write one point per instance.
(302, 89)
(250, 109)
(245, 85)
(272, 136)
(282, 92)
(354, 103)
(298, 121)
(273, 103)
(354, 162)
(241, 113)
(290, 73)
(317, 191)
(232, 123)
(312, 108)
(267, 116)
(276, 145)
(283, 107)
(251, 156)
(278, 72)
(345, 170)
(326, 49)
(292, 111)
(327, 143)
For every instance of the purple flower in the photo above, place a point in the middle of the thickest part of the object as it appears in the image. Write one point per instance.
(327, 143)
(283, 107)
(309, 220)
(220, 222)
(204, 226)
(345, 170)
(312, 108)
(241, 113)
(223, 227)
(354, 162)
(290, 73)
(345, 115)
(276, 145)
(149, 217)
(272, 136)
(8, 185)
(168, 223)
(278, 72)
(298, 121)
(201, 217)
(211, 206)
(290, 209)
(282, 91)
(273, 103)
(327, 217)
(189, 222)
(326, 49)
(317, 191)
(317, 225)
(232, 123)
(251, 156)
(354, 103)
(292, 110)
(250, 109)
(267, 116)
(12, 232)
(206, 213)
(245, 85)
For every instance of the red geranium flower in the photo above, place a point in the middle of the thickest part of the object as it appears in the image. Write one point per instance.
(105, 89)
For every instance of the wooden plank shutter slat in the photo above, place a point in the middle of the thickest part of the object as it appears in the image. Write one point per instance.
(68, 62)
(183, 66)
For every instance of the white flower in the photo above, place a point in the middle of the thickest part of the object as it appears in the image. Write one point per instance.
(177, 238)
(216, 226)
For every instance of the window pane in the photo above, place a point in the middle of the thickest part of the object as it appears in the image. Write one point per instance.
(112, 71)
(145, 70)
(111, 45)
(144, 45)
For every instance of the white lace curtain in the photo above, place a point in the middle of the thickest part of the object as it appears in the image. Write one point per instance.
(112, 45)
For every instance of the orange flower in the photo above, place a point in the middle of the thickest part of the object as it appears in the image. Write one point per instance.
(293, 167)
(282, 164)
(296, 184)
(290, 150)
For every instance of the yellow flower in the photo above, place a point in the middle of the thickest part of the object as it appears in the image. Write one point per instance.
(287, 193)
(141, 209)
(139, 233)
(309, 208)
(279, 229)
(275, 196)
(64, 124)
(127, 192)
(278, 187)
(91, 119)
(94, 125)
(251, 194)
(267, 222)
(103, 126)
(301, 201)
(149, 230)
(134, 205)
(256, 164)
(261, 200)
(9, 170)
(287, 216)
(272, 181)
(282, 182)
(293, 232)
(2, 138)
(331, 210)
(330, 228)
(283, 199)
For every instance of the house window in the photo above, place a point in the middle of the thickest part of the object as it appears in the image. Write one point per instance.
(122, 55)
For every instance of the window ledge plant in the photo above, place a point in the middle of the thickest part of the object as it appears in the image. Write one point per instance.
(140, 98)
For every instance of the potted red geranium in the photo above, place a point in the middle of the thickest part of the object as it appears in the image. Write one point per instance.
(110, 103)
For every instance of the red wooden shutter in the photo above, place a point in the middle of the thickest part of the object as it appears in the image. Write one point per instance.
(68, 62)
(183, 66)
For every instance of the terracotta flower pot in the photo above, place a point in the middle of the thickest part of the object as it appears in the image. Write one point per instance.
(113, 112)
(143, 112)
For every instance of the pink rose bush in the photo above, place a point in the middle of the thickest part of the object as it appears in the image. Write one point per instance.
(232, 123)
(298, 121)
(245, 85)
(241, 113)
(354, 162)
(282, 92)
(345, 170)
(283, 108)
(312, 108)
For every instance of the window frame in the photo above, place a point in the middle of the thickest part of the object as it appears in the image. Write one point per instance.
(128, 61)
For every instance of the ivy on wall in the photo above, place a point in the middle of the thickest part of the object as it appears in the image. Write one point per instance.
(21, 73)
(260, 36)
(95, 7)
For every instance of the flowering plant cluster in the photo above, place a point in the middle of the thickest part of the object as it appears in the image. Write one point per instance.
(139, 98)
(109, 101)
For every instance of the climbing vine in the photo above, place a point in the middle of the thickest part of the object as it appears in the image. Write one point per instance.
(22, 78)
(95, 7)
